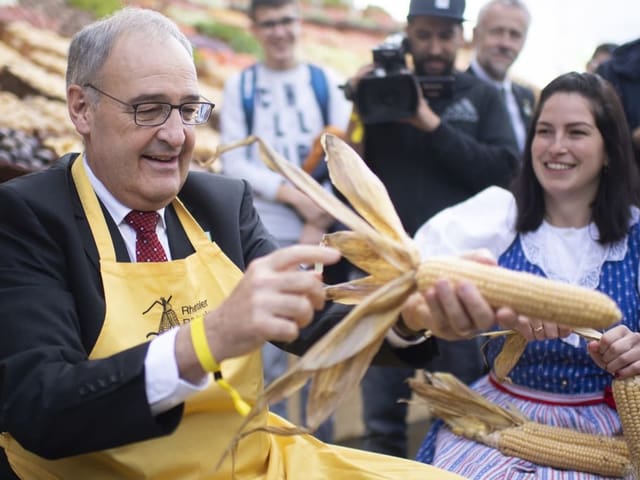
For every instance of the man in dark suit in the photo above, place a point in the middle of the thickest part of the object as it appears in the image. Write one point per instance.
(117, 305)
(498, 38)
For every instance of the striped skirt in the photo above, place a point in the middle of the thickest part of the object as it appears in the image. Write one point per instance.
(476, 461)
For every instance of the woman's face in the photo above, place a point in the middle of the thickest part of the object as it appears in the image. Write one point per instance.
(568, 150)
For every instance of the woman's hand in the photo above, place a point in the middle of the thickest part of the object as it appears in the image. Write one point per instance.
(530, 328)
(448, 311)
(617, 352)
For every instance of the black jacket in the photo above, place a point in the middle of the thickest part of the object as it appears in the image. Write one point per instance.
(623, 71)
(473, 148)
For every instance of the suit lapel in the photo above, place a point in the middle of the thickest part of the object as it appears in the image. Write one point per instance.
(79, 215)
(84, 229)
(525, 106)
(178, 241)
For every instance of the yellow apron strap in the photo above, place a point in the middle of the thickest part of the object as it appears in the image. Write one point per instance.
(98, 224)
(100, 231)
(92, 210)
(194, 231)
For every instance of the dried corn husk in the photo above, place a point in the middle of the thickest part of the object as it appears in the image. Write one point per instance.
(514, 346)
(470, 415)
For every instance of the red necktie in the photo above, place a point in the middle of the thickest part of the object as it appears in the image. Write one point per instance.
(148, 247)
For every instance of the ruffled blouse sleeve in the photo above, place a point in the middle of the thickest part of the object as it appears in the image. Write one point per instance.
(484, 221)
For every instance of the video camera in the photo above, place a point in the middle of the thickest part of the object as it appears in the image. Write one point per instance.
(389, 92)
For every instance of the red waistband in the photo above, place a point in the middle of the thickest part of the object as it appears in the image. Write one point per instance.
(552, 398)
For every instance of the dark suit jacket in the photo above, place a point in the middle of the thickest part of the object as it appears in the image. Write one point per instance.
(526, 101)
(54, 401)
(525, 98)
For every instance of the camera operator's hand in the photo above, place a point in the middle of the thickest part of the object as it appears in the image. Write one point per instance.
(351, 85)
(425, 118)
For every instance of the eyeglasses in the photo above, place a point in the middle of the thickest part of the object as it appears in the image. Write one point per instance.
(153, 114)
(271, 24)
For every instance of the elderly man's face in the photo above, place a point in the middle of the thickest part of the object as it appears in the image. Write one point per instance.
(499, 38)
(143, 167)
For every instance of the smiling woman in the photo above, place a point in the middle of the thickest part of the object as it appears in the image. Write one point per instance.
(573, 216)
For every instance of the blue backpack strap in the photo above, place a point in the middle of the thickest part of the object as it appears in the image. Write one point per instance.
(320, 90)
(248, 78)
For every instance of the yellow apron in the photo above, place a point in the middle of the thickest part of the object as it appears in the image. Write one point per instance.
(143, 299)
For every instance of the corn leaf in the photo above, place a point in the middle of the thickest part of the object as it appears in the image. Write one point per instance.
(364, 190)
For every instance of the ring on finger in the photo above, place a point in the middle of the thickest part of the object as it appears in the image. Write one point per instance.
(538, 329)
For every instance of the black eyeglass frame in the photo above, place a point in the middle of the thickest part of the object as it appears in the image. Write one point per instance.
(283, 21)
(202, 117)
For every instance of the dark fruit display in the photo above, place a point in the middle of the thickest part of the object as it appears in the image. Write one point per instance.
(22, 153)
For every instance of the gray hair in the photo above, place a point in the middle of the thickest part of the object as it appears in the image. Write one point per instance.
(91, 46)
(507, 3)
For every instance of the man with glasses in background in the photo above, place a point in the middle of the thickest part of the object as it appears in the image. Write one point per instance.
(498, 39)
(122, 290)
(287, 103)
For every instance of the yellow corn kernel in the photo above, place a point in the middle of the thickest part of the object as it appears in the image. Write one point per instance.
(527, 294)
(563, 454)
(627, 395)
(573, 437)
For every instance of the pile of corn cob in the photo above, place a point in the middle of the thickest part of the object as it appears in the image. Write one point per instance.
(470, 415)
(626, 393)
(378, 244)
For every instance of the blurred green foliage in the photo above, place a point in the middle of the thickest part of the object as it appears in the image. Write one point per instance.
(335, 3)
(237, 38)
(99, 8)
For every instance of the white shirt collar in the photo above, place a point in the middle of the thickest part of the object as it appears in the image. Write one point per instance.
(116, 209)
(483, 75)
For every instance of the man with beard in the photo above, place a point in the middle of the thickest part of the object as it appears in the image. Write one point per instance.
(498, 38)
(453, 147)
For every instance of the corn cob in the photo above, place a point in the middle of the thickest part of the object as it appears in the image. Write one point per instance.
(526, 293)
(569, 451)
(471, 415)
(627, 395)
(615, 445)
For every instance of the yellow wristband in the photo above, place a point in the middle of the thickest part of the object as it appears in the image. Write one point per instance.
(201, 346)
(209, 364)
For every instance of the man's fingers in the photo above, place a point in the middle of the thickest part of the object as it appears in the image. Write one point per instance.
(304, 283)
(290, 257)
(281, 330)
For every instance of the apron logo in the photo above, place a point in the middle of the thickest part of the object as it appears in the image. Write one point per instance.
(168, 318)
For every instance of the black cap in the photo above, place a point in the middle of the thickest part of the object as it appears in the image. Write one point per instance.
(452, 9)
